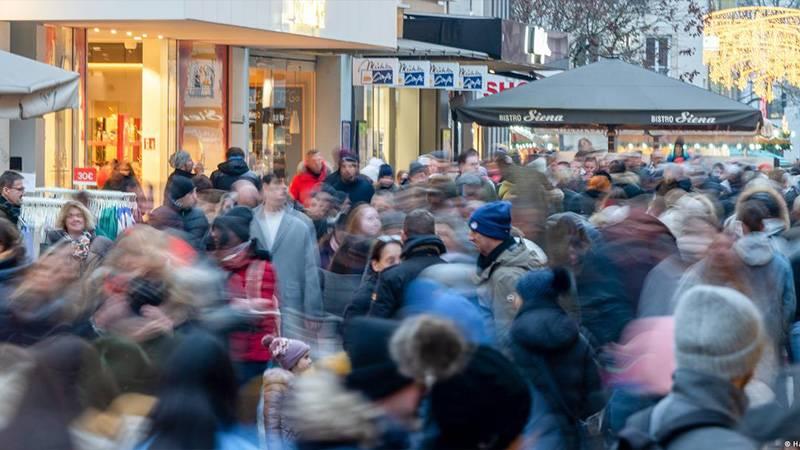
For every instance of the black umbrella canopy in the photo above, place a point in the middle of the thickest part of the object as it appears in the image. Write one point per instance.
(611, 94)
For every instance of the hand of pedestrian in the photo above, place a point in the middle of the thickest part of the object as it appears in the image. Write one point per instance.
(155, 322)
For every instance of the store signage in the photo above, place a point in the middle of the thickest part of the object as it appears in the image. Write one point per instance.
(496, 84)
(444, 75)
(84, 176)
(416, 74)
(376, 71)
(685, 118)
(531, 116)
(472, 78)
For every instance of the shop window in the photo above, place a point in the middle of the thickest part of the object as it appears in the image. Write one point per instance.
(203, 103)
(281, 108)
(657, 54)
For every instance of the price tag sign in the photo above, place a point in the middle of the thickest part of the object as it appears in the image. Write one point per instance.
(84, 176)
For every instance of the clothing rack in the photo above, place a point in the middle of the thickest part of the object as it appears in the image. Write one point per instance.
(98, 200)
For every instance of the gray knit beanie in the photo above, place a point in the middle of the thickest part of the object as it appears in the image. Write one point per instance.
(718, 331)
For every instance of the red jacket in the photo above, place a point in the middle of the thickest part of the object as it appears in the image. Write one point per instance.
(304, 183)
(253, 279)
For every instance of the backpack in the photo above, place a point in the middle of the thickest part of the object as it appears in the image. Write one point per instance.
(633, 438)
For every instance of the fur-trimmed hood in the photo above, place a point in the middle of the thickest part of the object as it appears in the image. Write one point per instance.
(756, 188)
(321, 409)
(625, 178)
(277, 377)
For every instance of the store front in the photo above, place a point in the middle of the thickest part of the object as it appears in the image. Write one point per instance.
(281, 109)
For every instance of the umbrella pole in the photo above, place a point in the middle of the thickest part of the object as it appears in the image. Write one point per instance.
(612, 135)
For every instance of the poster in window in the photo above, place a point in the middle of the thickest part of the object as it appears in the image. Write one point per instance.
(203, 102)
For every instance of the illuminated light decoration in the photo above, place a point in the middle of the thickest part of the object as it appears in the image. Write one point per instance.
(753, 44)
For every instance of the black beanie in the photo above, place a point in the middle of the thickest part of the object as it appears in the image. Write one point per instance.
(485, 406)
(385, 171)
(179, 187)
(373, 371)
(237, 221)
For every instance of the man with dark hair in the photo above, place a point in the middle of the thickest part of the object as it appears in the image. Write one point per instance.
(12, 187)
(181, 214)
(234, 168)
(347, 179)
(293, 247)
(421, 249)
(469, 165)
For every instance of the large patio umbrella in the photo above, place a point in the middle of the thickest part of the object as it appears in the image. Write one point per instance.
(30, 88)
(611, 95)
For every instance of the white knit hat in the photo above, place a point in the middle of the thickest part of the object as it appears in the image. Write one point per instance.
(718, 331)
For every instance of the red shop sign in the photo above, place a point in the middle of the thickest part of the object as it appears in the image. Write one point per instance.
(84, 176)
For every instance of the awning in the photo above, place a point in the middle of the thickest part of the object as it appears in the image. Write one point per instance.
(30, 88)
(611, 94)
(408, 47)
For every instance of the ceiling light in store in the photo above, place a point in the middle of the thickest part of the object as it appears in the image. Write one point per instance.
(161, 36)
(113, 31)
(129, 33)
(137, 38)
(144, 35)
(97, 49)
(96, 30)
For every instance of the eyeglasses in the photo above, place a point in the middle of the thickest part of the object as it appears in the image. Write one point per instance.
(389, 238)
(21, 189)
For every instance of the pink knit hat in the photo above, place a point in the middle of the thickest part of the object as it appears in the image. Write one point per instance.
(287, 352)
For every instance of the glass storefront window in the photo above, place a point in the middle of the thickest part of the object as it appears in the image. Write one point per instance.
(62, 129)
(281, 108)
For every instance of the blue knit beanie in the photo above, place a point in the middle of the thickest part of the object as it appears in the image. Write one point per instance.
(492, 220)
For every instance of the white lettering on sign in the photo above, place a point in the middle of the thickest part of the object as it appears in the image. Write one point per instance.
(202, 116)
(535, 116)
(685, 118)
(497, 86)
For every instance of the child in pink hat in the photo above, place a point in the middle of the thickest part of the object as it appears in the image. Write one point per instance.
(293, 358)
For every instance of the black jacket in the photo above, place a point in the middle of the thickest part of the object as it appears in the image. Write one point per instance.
(9, 211)
(546, 342)
(419, 253)
(191, 222)
(359, 190)
(230, 172)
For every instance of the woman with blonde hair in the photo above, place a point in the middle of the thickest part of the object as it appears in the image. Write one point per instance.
(76, 224)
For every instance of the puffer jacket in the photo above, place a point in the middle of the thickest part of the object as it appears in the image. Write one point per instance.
(359, 190)
(230, 172)
(275, 388)
(304, 183)
(419, 253)
(545, 341)
(693, 392)
(498, 282)
(192, 223)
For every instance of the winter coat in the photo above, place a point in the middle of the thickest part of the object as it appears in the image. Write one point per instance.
(295, 259)
(326, 415)
(546, 341)
(8, 211)
(230, 172)
(191, 222)
(691, 392)
(497, 284)
(768, 276)
(419, 253)
(304, 183)
(359, 190)
(253, 278)
(628, 182)
(122, 184)
(275, 388)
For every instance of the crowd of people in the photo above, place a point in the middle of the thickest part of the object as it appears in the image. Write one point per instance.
(595, 301)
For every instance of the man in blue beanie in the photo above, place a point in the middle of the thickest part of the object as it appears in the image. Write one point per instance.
(503, 260)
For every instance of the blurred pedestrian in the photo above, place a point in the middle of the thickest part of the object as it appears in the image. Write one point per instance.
(292, 358)
(306, 181)
(76, 224)
(12, 187)
(347, 179)
(180, 213)
(421, 249)
(385, 179)
(719, 336)
(196, 406)
(250, 290)
(503, 260)
(232, 169)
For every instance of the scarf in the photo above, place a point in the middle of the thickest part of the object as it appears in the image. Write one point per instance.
(81, 245)
(486, 261)
(235, 257)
